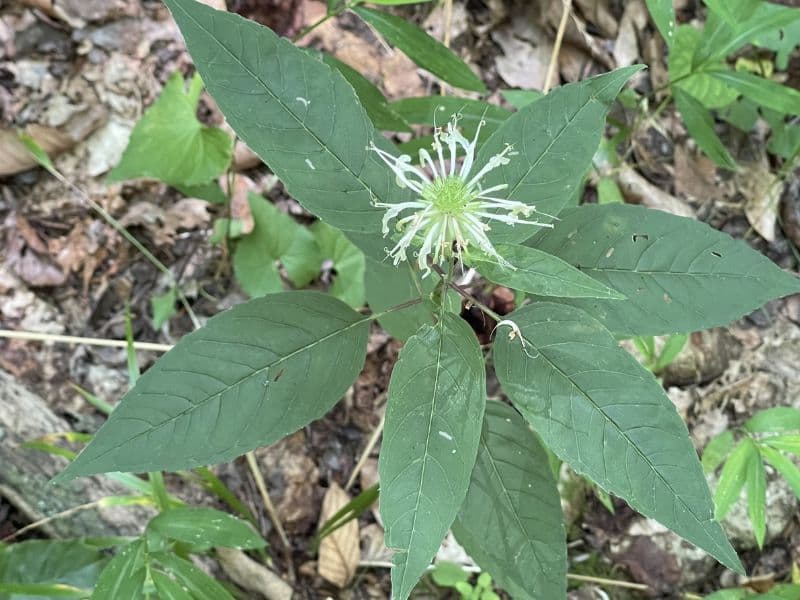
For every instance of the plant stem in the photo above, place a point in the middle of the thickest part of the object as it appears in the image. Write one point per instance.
(467, 296)
(335, 13)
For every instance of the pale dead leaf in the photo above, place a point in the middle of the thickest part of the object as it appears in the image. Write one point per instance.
(637, 188)
(240, 206)
(626, 48)
(696, 176)
(187, 214)
(762, 192)
(598, 13)
(523, 64)
(339, 552)
(252, 575)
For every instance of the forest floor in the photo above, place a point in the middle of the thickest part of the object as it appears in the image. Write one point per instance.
(80, 77)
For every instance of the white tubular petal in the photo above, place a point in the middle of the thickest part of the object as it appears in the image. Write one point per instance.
(510, 219)
(470, 148)
(437, 144)
(401, 166)
(494, 188)
(425, 159)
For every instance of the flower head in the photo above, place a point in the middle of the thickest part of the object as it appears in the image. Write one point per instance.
(452, 211)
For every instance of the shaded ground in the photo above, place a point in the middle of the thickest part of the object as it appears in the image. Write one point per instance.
(80, 80)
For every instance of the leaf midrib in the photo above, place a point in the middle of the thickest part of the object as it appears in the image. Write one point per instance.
(545, 152)
(229, 387)
(624, 435)
(439, 350)
(281, 102)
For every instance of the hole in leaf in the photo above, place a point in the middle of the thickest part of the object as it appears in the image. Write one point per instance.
(717, 254)
(640, 236)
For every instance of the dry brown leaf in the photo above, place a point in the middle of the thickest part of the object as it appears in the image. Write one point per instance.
(252, 576)
(762, 193)
(390, 69)
(696, 176)
(339, 552)
(626, 48)
(637, 188)
(240, 206)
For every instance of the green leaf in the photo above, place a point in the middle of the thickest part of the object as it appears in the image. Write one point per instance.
(163, 307)
(511, 521)
(733, 477)
(374, 102)
(774, 420)
(678, 274)
(782, 40)
(430, 110)
(721, 38)
(733, 11)
(49, 562)
(556, 138)
(599, 410)
(537, 272)
(756, 486)
(168, 588)
(254, 260)
(199, 585)
(171, 145)
(686, 75)
(608, 192)
(420, 47)
(700, 125)
(448, 574)
(437, 395)
(240, 382)
(672, 348)
(124, 575)
(663, 14)
(387, 286)
(784, 466)
(31, 591)
(302, 260)
(204, 528)
(763, 91)
(348, 263)
(291, 110)
(788, 443)
(521, 98)
(717, 450)
(36, 151)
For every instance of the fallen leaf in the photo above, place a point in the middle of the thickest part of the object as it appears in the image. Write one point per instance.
(240, 206)
(339, 552)
(762, 192)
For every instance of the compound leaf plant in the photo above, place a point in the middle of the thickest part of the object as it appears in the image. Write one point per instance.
(449, 458)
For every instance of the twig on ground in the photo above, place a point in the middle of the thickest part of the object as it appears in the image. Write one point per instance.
(562, 27)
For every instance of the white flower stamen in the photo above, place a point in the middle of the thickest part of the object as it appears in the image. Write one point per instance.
(452, 211)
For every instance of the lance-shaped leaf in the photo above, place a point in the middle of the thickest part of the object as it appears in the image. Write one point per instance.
(437, 396)
(599, 410)
(538, 272)
(420, 47)
(511, 521)
(678, 274)
(555, 138)
(299, 115)
(700, 124)
(252, 375)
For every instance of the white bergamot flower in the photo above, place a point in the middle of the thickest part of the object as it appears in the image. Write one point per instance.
(452, 211)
